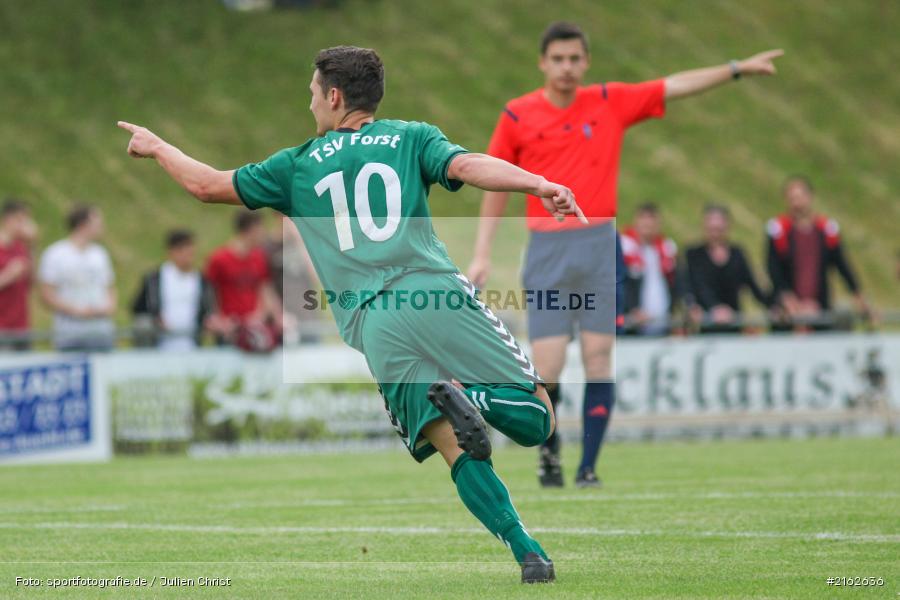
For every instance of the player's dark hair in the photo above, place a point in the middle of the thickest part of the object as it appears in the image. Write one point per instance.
(801, 179)
(245, 220)
(79, 215)
(563, 30)
(13, 206)
(647, 208)
(720, 209)
(357, 72)
(176, 238)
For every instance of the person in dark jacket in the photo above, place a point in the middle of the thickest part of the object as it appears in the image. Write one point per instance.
(175, 302)
(802, 248)
(717, 272)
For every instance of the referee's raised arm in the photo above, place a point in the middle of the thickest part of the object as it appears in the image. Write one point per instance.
(696, 81)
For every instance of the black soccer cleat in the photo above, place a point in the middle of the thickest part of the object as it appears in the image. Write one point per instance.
(537, 569)
(468, 424)
(587, 479)
(549, 469)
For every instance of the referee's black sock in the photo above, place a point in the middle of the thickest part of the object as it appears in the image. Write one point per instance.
(552, 443)
(599, 399)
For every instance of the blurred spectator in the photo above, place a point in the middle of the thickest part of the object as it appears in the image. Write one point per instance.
(274, 247)
(76, 282)
(17, 234)
(293, 275)
(717, 272)
(175, 301)
(802, 248)
(651, 263)
(240, 275)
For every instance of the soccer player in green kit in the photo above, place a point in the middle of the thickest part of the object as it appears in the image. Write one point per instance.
(358, 194)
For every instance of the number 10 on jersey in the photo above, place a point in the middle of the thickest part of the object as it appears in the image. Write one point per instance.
(334, 184)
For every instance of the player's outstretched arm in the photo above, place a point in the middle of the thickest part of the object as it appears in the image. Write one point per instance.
(200, 180)
(496, 175)
(688, 83)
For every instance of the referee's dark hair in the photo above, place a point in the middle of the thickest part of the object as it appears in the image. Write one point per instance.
(357, 72)
(563, 30)
(176, 238)
(245, 220)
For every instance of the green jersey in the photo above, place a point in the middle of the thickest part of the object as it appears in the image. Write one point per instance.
(359, 200)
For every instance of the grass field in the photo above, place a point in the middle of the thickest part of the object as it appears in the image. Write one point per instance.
(752, 519)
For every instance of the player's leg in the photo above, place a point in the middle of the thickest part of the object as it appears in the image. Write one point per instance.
(487, 498)
(548, 266)
(500, 380)
(424, 430)
(522, 413)
(599, 398)
(465, 420)
(468, 343)
(392, 344)
(549, 354)
(598, 328)
(403, 376)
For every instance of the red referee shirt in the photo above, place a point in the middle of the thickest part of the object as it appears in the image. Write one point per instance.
(578, 146)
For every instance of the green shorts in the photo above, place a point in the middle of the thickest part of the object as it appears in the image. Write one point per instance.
(428, 326)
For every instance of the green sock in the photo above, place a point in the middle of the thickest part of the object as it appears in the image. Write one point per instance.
(488, 499)
(516, 413)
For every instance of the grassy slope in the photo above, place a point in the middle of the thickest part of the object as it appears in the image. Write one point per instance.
(231, 87)
(712, 520)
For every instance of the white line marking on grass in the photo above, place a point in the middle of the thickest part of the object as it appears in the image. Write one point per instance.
(263, 530)
(580, 531)
(520, 499)
(586, 497)
(87, 508)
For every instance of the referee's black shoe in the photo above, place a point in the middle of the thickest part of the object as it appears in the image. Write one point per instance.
(468, 424)
(586, 478)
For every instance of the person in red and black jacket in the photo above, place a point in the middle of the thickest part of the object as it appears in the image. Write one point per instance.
(652, 278)
(240, 275)
(802, 247)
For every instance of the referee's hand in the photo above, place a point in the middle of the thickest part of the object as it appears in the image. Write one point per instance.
(760, 64)
(559, 201)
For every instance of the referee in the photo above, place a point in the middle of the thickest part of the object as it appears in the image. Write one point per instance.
(572, 133)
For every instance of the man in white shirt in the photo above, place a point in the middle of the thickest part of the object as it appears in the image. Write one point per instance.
(77, 282)
(651, 263)
(655, 297)
(175, 301)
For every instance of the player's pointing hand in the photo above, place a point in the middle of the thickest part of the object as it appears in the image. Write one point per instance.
(143, 142)
(559, 201)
